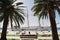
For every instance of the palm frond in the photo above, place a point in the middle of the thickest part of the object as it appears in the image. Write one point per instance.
(19, 3)
(39, 1)
(57, 8)
(16, 22)
(43, 15)
(20, 17)
(14, 14)
(37, 6)
(11, 20)
(21, 12)
(1, 16)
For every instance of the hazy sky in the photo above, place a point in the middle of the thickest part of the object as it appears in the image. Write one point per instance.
(33, 20)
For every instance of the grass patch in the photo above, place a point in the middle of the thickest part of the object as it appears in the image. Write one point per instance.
(13, 34)
(46, 35)
(12, 39)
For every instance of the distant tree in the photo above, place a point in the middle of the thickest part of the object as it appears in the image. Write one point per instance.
(45, 8)
(8, 10)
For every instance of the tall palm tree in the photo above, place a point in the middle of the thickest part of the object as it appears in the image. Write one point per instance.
(8, 11)
(45, 8)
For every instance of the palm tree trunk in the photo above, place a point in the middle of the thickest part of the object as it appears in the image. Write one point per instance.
(53, 24)
(54, 28)
(4, 29)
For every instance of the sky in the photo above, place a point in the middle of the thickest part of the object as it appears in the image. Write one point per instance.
(33, 20)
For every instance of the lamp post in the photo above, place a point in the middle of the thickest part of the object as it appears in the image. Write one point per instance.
(27, 17)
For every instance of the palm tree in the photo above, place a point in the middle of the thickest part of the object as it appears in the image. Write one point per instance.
(8, 11)
(45, 8)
